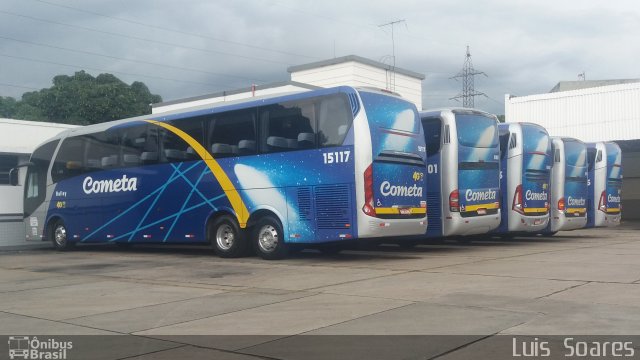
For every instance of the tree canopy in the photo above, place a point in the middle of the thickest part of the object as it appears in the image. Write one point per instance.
(81, 99)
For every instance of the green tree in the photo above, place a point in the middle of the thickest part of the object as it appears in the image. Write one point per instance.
(7, 107)
(83, 99)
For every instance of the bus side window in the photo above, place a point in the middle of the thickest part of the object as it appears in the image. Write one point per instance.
(232, 133)
(103, 151)
(591, 158)
(172, 147)
(136, 147)
(432, 134)
(288, 126)
(194, 128)
(334, 120)
(504, 142)
(69, 161)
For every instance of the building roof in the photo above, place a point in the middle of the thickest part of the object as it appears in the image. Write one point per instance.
(21, 137)
(236, 91)
(585, 84)
(354, 58)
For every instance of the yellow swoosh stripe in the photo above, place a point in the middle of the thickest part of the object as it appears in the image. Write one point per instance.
(613, 210)
(227, 186)
(489, 206)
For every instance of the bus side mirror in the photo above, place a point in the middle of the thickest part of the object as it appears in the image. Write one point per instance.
(14, 176)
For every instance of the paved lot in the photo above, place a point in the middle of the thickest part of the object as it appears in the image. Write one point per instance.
(583, 282)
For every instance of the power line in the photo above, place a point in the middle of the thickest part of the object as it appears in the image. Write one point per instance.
(124, 59)
(173, 30)
(18, 86)
(105, 70)
(143, 39)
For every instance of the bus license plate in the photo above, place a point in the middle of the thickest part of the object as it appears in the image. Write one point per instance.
(482, 211)
(405, 211)
(537, 222)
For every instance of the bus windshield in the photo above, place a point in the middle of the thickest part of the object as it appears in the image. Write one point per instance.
(576, 160)
(614, 162)
(536, 147)
(476, 131)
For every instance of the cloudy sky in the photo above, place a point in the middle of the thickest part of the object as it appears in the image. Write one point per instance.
(194, 47)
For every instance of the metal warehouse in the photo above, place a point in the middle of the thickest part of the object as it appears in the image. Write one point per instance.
(607, 110)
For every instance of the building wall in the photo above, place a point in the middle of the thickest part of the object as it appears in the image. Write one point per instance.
(19, 138)
(602, 113)
(353, 73)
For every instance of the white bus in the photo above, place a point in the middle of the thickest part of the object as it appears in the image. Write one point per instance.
(316, 167)
(463, 171)
(568, 185)
(525, 159)
(605, 184)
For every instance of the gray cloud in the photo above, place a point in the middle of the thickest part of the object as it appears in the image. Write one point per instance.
(525, 46)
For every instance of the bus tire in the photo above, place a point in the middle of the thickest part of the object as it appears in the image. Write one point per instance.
(268, 239)
(59, 236)
(227, 239)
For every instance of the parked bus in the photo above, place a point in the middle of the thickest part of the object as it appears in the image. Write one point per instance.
(463, 171)
(568, 185)
(605, 184)
(525, 164)
(307, 168)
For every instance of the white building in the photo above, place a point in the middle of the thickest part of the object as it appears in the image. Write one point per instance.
(606, 110)
(349, 70)
(18, 139)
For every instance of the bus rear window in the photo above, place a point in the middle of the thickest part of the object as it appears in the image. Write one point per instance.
(476, 131)
(575, 153)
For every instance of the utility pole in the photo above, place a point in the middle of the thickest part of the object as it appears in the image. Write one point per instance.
(468, 89)
(391, 24)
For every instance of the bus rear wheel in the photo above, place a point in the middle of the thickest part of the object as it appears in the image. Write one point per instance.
(59, 236)
(268, 239)
(227, 239)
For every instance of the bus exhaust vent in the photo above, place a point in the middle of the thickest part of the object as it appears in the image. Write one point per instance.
(332, 207)
(355, 104)
(304, 204)
(434, 220)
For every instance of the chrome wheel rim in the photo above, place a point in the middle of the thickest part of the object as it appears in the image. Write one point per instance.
(60, 235)
(225, 237)
(268, 238)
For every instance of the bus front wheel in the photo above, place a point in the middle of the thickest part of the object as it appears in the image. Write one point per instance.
(59, 236)
(268, 239)
(228, 240)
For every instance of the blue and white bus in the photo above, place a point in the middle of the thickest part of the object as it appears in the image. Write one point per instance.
(568, 185)
(308, 168)
(605, 184)
(463, 171)
(525, 161)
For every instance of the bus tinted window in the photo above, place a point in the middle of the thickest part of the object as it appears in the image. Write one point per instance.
(232, 133)
(172, 147)
(285, 124)
(432, 131)
(103, 151)
(335, 119)
(69, 161)
(138, 146)
(194, 128)
(476, 131)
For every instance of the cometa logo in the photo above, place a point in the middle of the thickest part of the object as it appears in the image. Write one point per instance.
(91, 186)
(471, 195)
(386, 189)
(530, 195)
(614, 199)
(576, 201)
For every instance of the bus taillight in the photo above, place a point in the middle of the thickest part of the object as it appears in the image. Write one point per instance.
(602, 204)
(561, 204)
(454, 201)
(368, 207)
(517, 200)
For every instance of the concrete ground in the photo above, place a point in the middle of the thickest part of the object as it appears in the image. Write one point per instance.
(585, 282)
